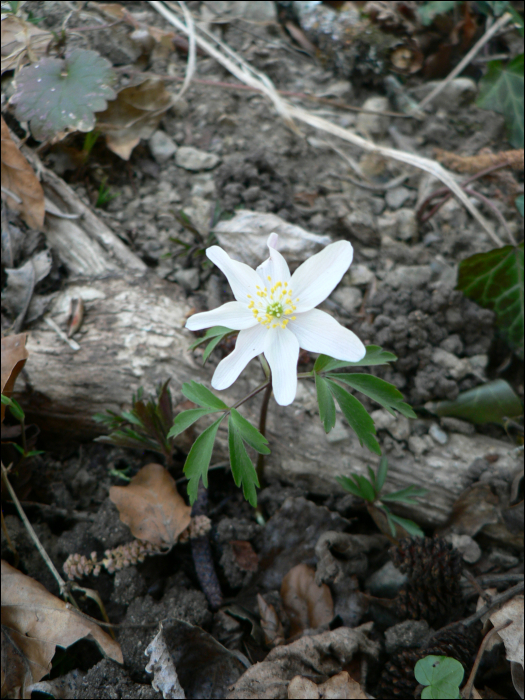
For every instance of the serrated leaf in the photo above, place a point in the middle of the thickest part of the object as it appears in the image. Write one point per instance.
(365, 487)
(198, 460)
(381, 474)
(378, 390)
(408, 525)
(326, 403)
(495, 281)
(131, 418)
(183, 421)
(488, 403)
(210, 348)
(441, 673)
(249, 434)
(211, 333)
(428, 10)
(202, 396)
(56, 95)
(243, 470)
(406, 495)
(372, 477)
(357, 417)
(349, 485)
(374, 356)
(501, 90)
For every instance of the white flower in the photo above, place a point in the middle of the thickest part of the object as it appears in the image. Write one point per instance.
(276, 315)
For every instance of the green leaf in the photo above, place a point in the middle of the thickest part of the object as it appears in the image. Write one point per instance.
(202, 396)
(183, 421)
(409, 525)
(518, 19)
(372, 478)
(488, 403)
(365, 487)
(381, 474)
(357, 417)
(55, 95)
(501, 90)
(378, 390)
(215, 332)
(210, 348)
(349, 485)
(406, 495)
(326, 403)
(249, 434)
(131, 418)
(16, 409)
(374, 356)
(440, 673)
(429, 10)
(495, 281)
(243, 470)
(198, 460)
(519, 203)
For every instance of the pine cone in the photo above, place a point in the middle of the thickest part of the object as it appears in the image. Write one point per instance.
(433, 591)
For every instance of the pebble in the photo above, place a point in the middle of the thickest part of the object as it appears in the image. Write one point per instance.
(437, 434)
(338, 433)
(398, 427)
(349, 298)
(194, 159)
(397, 196)
(458, 92)
(361, 225)
(406, 224)
(188, 279)
(419, 445)
(408, 276)
(457, 368)
(469, 548)
(405, 635)
(387, 224)
(386, 581)
(455, 425)
(359, 276)
(374, 124)
(162, 147)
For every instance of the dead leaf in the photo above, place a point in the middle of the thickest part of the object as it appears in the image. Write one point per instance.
(165, 679)
(14, 356)
(308, 605)
(340, 686)
(151, 506)
(24, 191)
(21, 282)
(270, 623)
(22, 42)
(34, 623)
(512, 635)
(134, 115)
(481, 161)
(245, 556)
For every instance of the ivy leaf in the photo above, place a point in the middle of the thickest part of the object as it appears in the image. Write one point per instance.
(378, 390)
(249, 434)
(442, 676)
(198, 460)
(183, 421)
(243, 470)
(326, 403)
(356, 415)
(495, 281)
(501, 90)
(55, 94)
(202, 396)
(489, 403)
(374, 356)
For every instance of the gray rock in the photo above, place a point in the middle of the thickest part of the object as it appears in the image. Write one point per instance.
(405, 635)
(406, 224)
(374, 124)
(386, 581)
(455, 425)
(350, 298)
(193, 159)
(469, 548)
(397, 196)
(361, 225)
(398, 427)
(437, 434)
(409, 276)
(338, 432)
(387, 224)
(457, 368)
(188, 279)
(162, 147)
(359, 276)
(458, 92)
(419, 445)
(245, 236)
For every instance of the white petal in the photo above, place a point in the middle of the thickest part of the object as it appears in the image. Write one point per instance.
(242, 279)
(233, 315)
(281, 349)
(275, 266)
(250, 343)
(317, 277)
(317, 331)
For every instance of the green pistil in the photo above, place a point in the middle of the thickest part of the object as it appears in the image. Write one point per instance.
(276, 310)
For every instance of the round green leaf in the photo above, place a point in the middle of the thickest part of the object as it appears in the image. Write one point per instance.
(442, 674)
(54, 94)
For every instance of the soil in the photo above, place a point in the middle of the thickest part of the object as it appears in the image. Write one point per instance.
(408, 305)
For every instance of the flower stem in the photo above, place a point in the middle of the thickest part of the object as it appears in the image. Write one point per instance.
(262, 430)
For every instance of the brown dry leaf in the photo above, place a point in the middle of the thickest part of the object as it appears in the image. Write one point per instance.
(270, 623)
(22, 42)
(14, 356)
(512, 635)
(308, 605)
(34, 623)
(481, 161)
(151, 506)
(245, 556)
(19, 179)
(340, 686)
(134, 115)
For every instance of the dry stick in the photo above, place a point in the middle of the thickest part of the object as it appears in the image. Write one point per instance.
(502, 21)
(467, 690)
(45, 556)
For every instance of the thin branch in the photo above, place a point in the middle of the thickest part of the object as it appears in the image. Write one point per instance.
(467, 690)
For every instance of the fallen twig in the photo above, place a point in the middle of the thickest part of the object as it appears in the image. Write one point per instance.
(467, 690)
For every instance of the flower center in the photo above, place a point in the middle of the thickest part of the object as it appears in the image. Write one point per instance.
(273, 306)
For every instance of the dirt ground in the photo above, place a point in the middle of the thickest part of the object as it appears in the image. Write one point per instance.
(399, 293)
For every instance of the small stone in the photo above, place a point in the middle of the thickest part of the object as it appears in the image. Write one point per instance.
(193, 159)
(387, 224)
(188, 279)
(405, 635)
(401, 429)
(383, 420)
(377, 204)
(374, 124)
(338, 433)
(361, 225)
(162, 147)
(457, 93)
(456, 367)
(455, 425)
(469, 548)
(386, 581)
(418, 445)
(397, 196)
(406, 225)
(360, 276)
(409, 276)
(349, 298)
(479, 363)
(437, 434)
